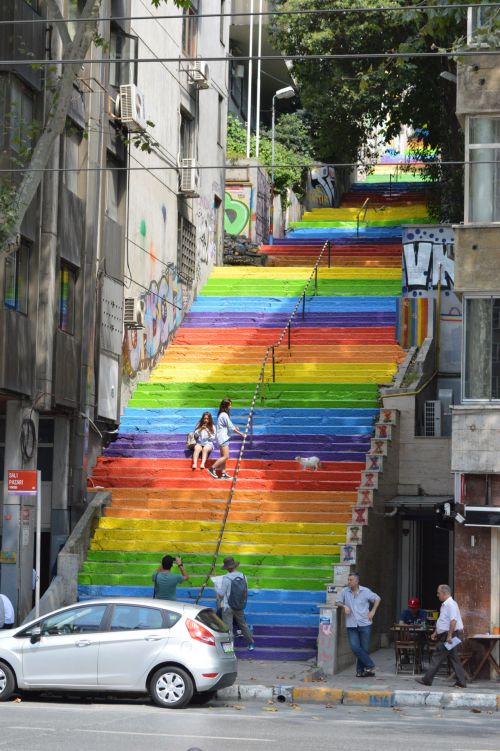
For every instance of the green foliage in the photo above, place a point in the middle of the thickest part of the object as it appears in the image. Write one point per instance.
(348, 100)
(291, 148)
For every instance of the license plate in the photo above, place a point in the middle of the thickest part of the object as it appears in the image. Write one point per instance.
(228, 647)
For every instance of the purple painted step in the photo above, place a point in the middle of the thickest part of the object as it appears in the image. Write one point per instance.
(227, 319)
(289, 655)
(268, 442)
(280, 642)
(267, 629)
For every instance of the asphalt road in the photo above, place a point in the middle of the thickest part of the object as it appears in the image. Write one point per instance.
(76, 725)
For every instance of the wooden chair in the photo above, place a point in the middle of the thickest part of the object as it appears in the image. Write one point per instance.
(408, 650)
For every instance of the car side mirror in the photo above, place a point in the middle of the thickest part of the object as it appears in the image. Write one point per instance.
(36, 635)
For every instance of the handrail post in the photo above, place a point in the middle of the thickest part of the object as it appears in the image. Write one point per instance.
(329, 252)
(289, 336)
(303, 306)
(274, 366)
(316, 280)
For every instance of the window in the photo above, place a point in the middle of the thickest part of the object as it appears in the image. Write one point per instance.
(222, 20)
(21, 117)
(123, 48)
(482, 348)
(16, 279)
(73, 159)
(483, 172)
(186, 136)
(67, 298)
(115, 189)
(481, 24)
(83, 620)
(186, 250)
(2, 446)
(134, 617)
(189, 31)
(220, 120)
(45, 448)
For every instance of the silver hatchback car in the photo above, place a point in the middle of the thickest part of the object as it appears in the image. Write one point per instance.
(137, 645)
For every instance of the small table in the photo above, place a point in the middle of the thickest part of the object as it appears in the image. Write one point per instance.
(488, 642)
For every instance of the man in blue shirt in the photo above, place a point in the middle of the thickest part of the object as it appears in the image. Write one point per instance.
(413, 613)
(360, 605)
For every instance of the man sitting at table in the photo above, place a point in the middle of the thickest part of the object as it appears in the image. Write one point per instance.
(413, 613)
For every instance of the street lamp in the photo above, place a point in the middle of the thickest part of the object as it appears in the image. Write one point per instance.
(287, 93)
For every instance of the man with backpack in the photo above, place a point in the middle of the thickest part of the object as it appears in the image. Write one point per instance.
(232, 593)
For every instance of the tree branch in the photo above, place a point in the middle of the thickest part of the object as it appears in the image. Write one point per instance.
(56, 118)
(53, 11)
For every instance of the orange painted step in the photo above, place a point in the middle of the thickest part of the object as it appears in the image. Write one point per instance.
(218, 505)
(333, 353)
(334, 517)
(219, 492)
(390, 262)
(356, 334)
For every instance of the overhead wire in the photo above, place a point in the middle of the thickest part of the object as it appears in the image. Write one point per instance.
(257, 14)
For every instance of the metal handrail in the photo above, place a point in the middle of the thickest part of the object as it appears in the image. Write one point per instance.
(364, 208)
(260, 385)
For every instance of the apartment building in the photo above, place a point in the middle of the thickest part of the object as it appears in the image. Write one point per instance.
(123, 231)
(475, 454)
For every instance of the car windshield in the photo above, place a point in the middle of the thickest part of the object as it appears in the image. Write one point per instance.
(209, 618)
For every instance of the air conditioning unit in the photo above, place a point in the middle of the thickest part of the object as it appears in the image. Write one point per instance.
(432, 418)
(199, 73)
(131, 107)
(134, 313)
(189, 177)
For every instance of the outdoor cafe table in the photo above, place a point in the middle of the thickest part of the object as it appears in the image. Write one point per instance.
(488, 642)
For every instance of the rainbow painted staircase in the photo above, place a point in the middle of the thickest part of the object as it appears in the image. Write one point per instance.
(286, 525)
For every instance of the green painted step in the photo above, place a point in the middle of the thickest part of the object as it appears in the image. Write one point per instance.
(255, 582)
(294, 288)
(364, 223)
(246, 559)
(140, 569)
(208, 395)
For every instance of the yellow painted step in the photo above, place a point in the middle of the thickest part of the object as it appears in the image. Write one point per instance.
(306, 372)
(142, 525)
(230, 548)
(299, 272)
(210, 539)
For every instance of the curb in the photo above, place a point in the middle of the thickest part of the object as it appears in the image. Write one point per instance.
(366, 698)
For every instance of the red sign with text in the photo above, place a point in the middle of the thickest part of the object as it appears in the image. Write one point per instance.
(21, 481)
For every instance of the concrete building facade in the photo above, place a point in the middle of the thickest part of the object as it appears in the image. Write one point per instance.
(116, 244)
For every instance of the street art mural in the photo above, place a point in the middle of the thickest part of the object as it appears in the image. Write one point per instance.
(238, 206)
(428, 263)
(246, 208)
(164, 310)
(321, 187)
(206, 234)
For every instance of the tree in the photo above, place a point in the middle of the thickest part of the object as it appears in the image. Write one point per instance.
(348, 100)
(16, 198)
(291, 149)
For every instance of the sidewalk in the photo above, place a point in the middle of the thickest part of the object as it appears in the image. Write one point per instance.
(299, 682)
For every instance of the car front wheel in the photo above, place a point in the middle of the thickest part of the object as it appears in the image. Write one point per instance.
(7, 682)
(171, 687)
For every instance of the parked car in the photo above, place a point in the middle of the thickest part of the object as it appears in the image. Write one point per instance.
(137, 645)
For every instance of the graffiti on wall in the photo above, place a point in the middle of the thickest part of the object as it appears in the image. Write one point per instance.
(321, 191)
(428, 262)
(163, 314)
(238, 206)
(206, 237)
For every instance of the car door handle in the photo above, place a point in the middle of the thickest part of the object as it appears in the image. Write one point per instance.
(82, 643)
(152, 638)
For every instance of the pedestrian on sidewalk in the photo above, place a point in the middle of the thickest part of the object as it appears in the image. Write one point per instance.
(360, 605)
(223, 430)
(6, 612)
(165, 582)
(233, 593)
(204, 434)
(449, 627)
